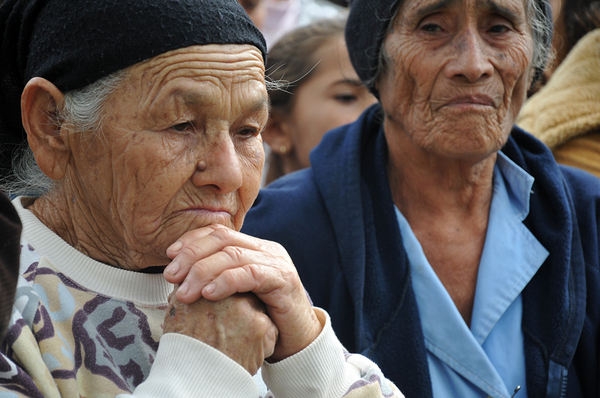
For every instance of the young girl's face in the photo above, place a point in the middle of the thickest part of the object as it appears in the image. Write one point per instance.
(331, 96)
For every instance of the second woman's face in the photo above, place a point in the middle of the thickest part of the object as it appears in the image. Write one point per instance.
(332, 96)
(458, 75)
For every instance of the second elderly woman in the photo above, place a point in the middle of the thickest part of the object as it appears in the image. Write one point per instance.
(146, 116)
(446, 244)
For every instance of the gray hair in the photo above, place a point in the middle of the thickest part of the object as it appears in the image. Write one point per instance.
(537, 21)
(82, 109)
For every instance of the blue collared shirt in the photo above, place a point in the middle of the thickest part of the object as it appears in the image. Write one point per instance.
(488, 359)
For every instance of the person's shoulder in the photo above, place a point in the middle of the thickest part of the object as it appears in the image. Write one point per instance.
(290, 211)
(288, 198)
(582, 184)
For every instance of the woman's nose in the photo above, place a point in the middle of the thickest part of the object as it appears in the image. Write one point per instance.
(219, 165)
(470, 60)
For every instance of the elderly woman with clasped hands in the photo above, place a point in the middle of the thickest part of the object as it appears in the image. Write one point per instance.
(142, 122)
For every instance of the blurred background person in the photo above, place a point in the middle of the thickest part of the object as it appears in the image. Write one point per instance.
(565, 112)
(285, 15)
(256, 10)
(275, 18)
(323, 92)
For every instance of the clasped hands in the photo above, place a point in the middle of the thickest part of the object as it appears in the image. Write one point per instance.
(239, 294)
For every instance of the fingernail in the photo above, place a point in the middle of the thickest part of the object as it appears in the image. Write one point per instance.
(175, 247)
(173, 268)
(183, 289)
(208, 289)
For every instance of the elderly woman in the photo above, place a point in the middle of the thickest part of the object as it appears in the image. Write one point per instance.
(446, 244)
(146, 115)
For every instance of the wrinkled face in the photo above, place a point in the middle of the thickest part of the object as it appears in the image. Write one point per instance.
(332, 96)
(458, 74)
(180, 147)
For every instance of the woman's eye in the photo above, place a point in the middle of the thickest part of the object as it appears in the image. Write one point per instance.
(499, 29)
(346, 98)
(431, 27)
(182, 127)
(248, 132)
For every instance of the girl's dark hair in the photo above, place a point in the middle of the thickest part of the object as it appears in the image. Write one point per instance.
(292, 60)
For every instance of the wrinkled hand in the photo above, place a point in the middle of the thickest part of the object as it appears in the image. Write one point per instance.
(238, 326)
(215, 262)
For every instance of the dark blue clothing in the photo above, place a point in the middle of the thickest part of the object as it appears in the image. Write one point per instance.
(337, 221)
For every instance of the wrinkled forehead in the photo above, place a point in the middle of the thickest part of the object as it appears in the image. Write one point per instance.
(226, 76)
(512, 9)
(240, 61)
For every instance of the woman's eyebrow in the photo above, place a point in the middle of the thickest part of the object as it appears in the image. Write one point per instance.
(352, 82)
(432, 8)
(490, 5)
(493, 7)
(259, 104)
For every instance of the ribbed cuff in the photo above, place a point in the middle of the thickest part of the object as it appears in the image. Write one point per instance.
(186, 367)
(317, 371)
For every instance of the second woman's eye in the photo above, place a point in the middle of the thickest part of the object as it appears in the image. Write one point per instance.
(431, 27)
(499, 29)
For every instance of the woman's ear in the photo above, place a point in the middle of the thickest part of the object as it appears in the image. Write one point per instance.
(40, 116)
(277, 135)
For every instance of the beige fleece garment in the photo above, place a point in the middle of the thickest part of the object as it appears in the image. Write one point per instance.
(568, 106)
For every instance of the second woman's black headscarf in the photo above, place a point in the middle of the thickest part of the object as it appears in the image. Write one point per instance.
(73, 43)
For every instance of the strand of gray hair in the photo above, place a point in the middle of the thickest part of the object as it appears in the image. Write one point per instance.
(82, 109)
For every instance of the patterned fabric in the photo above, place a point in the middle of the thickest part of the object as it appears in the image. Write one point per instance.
(84, 340)
(80, 328)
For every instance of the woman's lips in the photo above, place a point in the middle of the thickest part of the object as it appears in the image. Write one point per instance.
(477, 100)
(211, 215)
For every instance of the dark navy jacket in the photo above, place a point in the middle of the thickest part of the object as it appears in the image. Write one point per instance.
(337, 221)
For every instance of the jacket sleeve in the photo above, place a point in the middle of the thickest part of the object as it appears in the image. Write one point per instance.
(326, 369)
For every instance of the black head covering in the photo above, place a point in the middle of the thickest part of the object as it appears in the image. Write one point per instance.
(366, 27)
(73, 43)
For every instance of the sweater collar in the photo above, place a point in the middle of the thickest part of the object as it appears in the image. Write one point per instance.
(145, 289)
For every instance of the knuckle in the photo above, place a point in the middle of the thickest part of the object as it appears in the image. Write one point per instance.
(199, 270)
(256, 272)
(191, 251)
(235, 253)
(221, 233)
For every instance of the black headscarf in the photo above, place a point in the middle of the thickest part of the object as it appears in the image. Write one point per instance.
(365, 31)
(73, 43)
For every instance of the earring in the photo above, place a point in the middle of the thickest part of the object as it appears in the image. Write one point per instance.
(283, 149)
(201, 166)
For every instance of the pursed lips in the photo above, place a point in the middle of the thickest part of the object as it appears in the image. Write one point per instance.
(476, 99)
(211, 214)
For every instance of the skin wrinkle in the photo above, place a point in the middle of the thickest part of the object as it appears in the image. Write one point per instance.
(186, 68)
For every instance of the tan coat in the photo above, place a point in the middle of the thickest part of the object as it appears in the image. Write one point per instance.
(565, 114)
